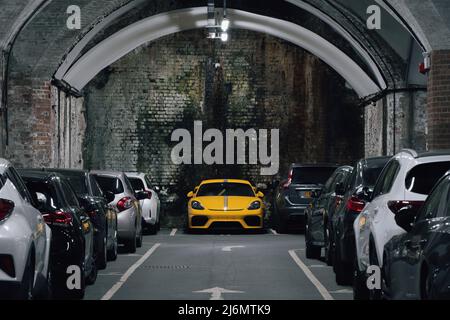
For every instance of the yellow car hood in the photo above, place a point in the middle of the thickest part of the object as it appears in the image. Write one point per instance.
(229, 203)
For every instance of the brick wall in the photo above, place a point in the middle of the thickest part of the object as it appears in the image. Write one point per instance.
(262, 82)
(438, 110)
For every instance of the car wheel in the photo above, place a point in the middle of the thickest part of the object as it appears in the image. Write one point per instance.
(328, 248)
(425, 284)
(343, 271)
(131, 245)
(26, 286)
(360, 290)
(112, 253)
(158, 228)
(92, 275)
(281, 226)
(312, 251)
(139, 239)
(102, 258)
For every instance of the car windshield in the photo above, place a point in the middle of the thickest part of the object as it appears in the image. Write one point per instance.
(372, 171)
(225, 189)
(137, 184)
(43, 194)
(311, 175)
(77, 181)
(422, 178)
(111, 184)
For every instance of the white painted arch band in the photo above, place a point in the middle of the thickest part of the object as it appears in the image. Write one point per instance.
(124, 41)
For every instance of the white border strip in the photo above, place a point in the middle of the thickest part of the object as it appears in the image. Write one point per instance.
(172, 233)
(111, 292)
(322, 290)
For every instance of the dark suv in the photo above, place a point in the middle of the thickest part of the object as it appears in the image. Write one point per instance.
(293, 195)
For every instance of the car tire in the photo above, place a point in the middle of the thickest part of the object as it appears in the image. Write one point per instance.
(26, 286)
(102, 256)
(139, 239)
(131, 245)
(328, 248)
(343, 271)
(90, 280)
(281, 226)
(112, 252)
(360, 290)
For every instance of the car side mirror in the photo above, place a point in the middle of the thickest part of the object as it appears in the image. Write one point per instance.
(190, 194)
(141, 195)
(262, 186)
(340, 189)
(260, 194)
(405, 218)
(41, 200)
(109, 196)
(156, 188)
(366, 194)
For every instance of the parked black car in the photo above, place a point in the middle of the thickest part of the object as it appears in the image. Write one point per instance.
(357, 194)
(72, 230)
(103, 216)
(320, 213)
(416, 264)
(293, 195)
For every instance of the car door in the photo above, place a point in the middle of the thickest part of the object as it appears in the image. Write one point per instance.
(86, 224)
(432, 216)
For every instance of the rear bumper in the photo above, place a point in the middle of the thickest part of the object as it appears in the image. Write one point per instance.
(293, 216)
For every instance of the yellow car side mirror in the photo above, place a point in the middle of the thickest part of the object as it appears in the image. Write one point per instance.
(260, 194)
(190, 194)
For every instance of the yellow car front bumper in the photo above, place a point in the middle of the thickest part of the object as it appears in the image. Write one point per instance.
(246, 219)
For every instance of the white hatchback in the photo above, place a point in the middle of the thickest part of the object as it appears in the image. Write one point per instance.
(406, 180)
(151, 205)
(24, 240)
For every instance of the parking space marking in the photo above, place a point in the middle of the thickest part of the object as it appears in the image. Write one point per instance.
(129, 272)
(319, 286)
(274, 232)
(172, 233)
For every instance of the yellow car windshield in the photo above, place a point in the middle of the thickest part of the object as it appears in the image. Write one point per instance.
(225, 189)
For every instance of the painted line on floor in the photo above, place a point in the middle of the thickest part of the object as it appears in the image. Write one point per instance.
(319, 286)
(274, 232)
(172, 233)
(108, 295)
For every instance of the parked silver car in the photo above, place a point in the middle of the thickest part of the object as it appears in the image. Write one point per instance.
(24, 240)
(151, 204)
(129, 226)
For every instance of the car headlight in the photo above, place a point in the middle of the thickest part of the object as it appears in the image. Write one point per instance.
(255, 205)
(197, 205)
(362, 222)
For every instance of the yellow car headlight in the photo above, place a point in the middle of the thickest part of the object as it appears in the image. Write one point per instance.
(255, 205)
(197, 205)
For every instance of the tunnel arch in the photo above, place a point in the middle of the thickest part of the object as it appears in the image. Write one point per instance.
(124, 41)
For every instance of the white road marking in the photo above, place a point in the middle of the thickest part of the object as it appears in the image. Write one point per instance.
(274, 232)
(133, 255)
(172, 233)
(228, 249)
(129, 272)
(318, 266)
(216, 292)
(322, 290)
(347, 291)
(110, 274)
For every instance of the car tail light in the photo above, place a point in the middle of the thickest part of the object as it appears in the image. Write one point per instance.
(58, 217)
(149, 194)
(355, 204)
(7, 265)
(289, 181)
(6, 208)
(124, 204)
(395, 206)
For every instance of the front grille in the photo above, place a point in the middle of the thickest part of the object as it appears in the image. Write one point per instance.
(199, 221)
(253, 221)
(226, 225)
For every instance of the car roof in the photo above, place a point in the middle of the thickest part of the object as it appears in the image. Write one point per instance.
(315, 165)
(225, 180)
(107, 173)
(135, 174)
(36, 174)
(433, 154)
(66, 170)
(4, 164)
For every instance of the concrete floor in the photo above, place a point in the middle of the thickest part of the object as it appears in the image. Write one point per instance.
(174, 265)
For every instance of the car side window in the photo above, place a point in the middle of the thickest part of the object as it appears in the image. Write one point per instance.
(387, 178)
(96, 190)
(17, 181)
(69, 194)
(447, 196)
(329, 184)
(339, 178)
(434, 206)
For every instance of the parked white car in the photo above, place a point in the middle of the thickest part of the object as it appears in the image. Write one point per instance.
(126, 200)
(24, 240)
(150, 206)
(406, 180)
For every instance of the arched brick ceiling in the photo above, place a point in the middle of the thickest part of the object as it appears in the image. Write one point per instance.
(45, 41)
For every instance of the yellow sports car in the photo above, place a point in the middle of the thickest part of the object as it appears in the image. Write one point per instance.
(224, 204)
